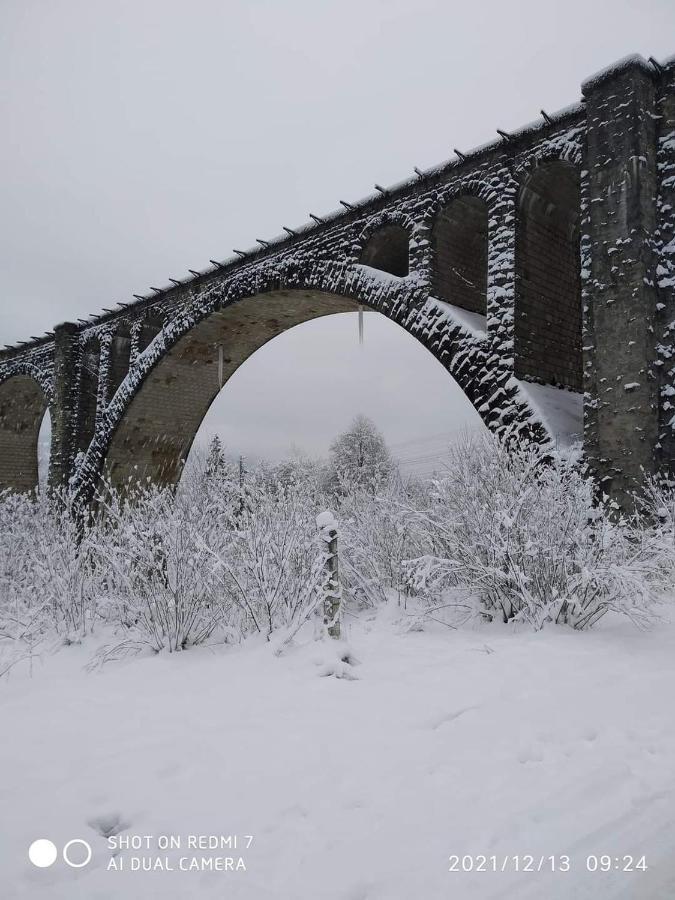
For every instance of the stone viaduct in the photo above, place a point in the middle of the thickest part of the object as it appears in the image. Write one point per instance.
(538, 268)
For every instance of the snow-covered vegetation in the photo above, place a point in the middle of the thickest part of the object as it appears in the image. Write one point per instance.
(507, 535)
(482, 747)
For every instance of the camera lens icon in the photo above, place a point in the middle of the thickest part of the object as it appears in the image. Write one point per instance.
(76, 853)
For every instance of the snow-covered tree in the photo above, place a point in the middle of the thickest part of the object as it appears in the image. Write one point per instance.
(359, 456)
(217, 464)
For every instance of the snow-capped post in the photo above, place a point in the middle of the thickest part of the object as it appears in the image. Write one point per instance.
(327, 526)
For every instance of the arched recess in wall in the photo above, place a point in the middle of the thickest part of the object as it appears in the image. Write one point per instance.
(548, 286)
(120, 354)
(149, 328)
(156, 431)
(23, 404)
(388, 249)
(460, 254)
(90, 363)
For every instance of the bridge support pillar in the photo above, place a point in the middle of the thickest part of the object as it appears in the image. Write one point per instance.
(665, 271)
(64, 408)
(621, 420)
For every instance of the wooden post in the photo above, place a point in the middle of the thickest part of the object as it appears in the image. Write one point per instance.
(332, 598)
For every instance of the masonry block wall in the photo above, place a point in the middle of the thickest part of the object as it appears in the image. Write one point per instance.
(548, 288)
(460, 241)
(22, 406)
(560, 236)
(620, 294)
(664, 264)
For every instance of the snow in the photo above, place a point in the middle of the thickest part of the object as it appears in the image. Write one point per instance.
(378, 274)
(480, 741)
(633, 60)
(561, 411)
(326, 521)
(473, 322)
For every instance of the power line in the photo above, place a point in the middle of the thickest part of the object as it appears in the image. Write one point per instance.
(422, 440)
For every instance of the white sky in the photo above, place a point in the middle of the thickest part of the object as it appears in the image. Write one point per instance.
(143, 137)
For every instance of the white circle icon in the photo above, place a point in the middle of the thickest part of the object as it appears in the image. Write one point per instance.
(42, 853)
(81, 863)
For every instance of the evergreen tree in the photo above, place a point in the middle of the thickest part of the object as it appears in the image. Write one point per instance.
(216, 461)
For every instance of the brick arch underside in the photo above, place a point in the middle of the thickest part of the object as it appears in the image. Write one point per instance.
(22, 407)
(154, 434)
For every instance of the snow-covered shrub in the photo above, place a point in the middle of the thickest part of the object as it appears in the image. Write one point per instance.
(47, 581)
(272, 565)
(657, 510)
(24, 621)
(63, 572)
(160, 589)
(523, 539)
(377, 535)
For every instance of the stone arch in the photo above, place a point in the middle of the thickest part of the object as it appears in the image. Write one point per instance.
(385, 243)
(548, 308)
(24, 400)
(459, 241)
(495, 198)
(148, 428)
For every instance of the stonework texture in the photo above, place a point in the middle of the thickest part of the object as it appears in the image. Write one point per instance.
(557, 240)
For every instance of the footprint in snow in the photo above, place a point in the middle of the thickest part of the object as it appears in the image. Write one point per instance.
(108, 825)
(530, 755)
(450, 717)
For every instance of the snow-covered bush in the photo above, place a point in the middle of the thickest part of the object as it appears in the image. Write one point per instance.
(23, 619)
(511, 535)
(160, 589)
(523, 539)
(272, 565)
(47, 581)
(657, 511)
(377, 534)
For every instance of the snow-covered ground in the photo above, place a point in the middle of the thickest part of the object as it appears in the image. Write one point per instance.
(449, 743)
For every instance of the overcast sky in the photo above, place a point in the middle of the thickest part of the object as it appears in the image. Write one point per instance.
(143, 137)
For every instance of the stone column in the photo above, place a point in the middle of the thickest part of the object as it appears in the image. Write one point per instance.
(664, 246)
(621, 421)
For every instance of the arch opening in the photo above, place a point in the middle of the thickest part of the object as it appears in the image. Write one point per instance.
(22, 408)
(120, 355)
(88, 392)
(155, 434)
(548, 345)
(460, 252)
(150, 328)
(388, 249)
